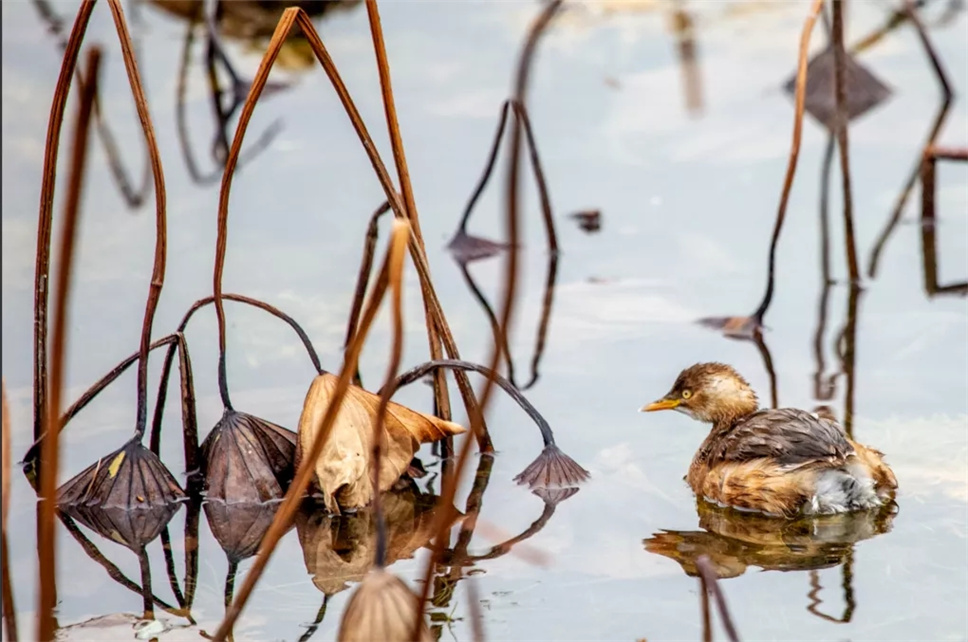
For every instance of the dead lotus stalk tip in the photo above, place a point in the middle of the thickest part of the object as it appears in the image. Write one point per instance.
(552, 469)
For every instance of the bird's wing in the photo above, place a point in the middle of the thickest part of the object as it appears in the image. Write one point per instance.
(786, 435)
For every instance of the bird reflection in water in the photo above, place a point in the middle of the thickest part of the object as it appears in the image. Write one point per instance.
(734, 541)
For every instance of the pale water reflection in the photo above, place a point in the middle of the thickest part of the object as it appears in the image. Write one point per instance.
(687, 203)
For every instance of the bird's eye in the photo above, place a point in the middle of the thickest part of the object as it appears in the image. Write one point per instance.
(686, 394)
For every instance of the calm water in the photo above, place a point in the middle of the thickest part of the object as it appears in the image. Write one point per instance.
(687, 203)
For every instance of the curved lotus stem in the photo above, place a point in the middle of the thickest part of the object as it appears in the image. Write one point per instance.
(552, 468)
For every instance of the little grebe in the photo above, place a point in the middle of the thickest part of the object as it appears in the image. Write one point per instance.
(779, 462)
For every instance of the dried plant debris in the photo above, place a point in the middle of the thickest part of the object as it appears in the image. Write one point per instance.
(589, 221)
(239, 528)
(733, 327)
(342, 470)
(466, 248)
(246, 459)
(864, 90)
(734, 541)
(338, 549)
(129, 478)
(552, 469)
(131, 528)
(381, 608)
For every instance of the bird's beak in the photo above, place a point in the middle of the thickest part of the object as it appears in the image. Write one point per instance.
(661, 404)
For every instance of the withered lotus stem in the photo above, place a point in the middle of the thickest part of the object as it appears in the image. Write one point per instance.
(382, 608)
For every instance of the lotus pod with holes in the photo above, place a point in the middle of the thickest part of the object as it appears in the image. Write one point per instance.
(342, 469)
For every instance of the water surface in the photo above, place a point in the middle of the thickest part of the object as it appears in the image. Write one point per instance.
(688, 202)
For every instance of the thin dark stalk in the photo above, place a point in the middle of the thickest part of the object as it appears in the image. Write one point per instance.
(184, 598)
(134, 197)
(849, 355)
(707, 624)
(947, 95)
(161, 225)
(709, 580)
(794, 155)
(488, 169)
(45, 216)
(170, 356)
(49, 452)
(505, 547)
(147, 597)
(472, 508)
(363, 277)
(189, 419)
(840, 76)
(491, 318)
(539, 177)
(181, 121)
(912, 180)
(820, 390)
(847, 584)
(764, 351)
(223, 115)
(448, 578)
(897, 18)
(521, 113)
(230, 582)
(396, 256)
(417, 251)
(546, 305)
(476, 415)
(305, 471)
(477, 616)
(434, 329)
(33, 453)
(170, 567)
(192, 515)
(937, 152)
(113, 571)
(311, 630)
(418, 372)
(929, 258)
(939, 71)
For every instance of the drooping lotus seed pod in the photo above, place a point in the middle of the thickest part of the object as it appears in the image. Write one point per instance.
(382, 608)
